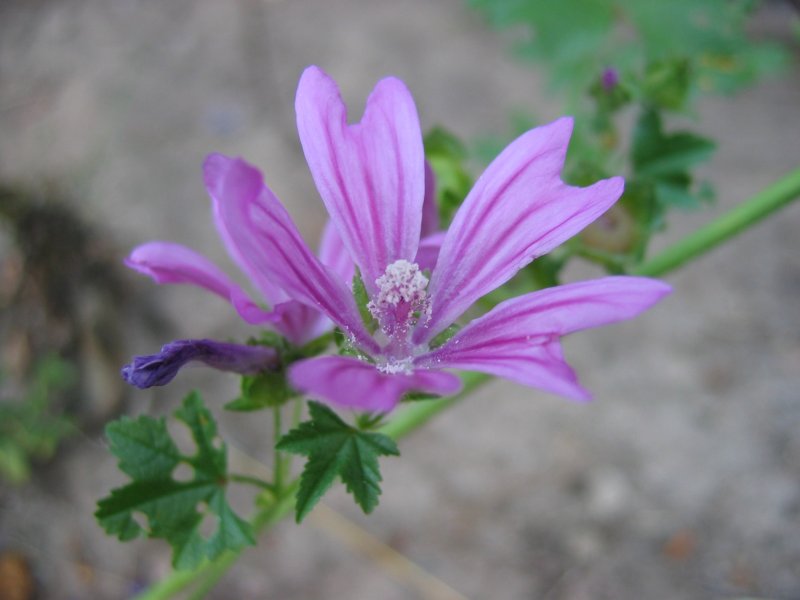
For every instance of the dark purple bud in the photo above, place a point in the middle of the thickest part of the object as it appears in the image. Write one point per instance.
(609, 78)
(160, 369)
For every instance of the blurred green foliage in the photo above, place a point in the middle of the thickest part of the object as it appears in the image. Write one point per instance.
(610, 59)
(578, 38)
(31, 428)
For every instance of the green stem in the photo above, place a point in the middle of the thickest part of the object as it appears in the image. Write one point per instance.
(277, 476)
(774, 197)
(252, 481)
(208, 574)
(262, 521)
(414, 415)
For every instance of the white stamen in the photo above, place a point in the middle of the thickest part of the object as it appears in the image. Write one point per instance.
(393, 367)
(402, 282)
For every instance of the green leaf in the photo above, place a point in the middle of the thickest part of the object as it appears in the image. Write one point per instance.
(656, 154)
(334, 448)
(170, 509)
(32, 427)
(666, 83)
(144, 447)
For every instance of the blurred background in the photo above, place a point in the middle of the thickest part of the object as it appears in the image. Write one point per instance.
(682, 479)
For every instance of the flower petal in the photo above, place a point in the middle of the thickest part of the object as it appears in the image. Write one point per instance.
(334, 255)
(519, 209)
(167, 262)
(352, 383)
(430, 210)
(518, 338)
(269, 247)
(371, 174)
(300, 323)
(160, 369)
(429, 248)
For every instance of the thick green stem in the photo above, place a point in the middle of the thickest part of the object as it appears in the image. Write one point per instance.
(709, 236)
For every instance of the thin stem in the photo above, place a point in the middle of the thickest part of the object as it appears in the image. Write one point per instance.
(208, 574)
(262, 521)
(414, 415)
(252, 481)
(774, 197)
(277, 476)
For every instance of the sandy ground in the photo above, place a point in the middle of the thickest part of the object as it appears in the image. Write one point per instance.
(679, 482)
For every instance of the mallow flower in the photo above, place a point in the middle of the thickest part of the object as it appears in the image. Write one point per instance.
(371, 177)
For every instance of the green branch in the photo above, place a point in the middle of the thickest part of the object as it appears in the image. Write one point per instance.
(750, 212)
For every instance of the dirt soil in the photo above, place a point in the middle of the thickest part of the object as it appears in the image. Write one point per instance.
(682, 479)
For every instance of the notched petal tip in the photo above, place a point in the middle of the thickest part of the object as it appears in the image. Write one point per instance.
(225, 175)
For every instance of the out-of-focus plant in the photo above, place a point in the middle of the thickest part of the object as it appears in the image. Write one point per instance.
(652, 59)
(702, 42)
(32, 426)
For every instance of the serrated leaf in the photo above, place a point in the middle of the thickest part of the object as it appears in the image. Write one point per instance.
(334, 448)
(145, 449)
(173, 510)
(209, 458)
(232, 531)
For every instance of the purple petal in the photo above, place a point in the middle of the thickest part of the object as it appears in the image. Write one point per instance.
(167, 262)
(519, 209)
(161, 368)
(429, 248)
(430, 210)
(300, 323)
(352, 383)
(518, 339)
(334, 255)
(371, 174)
(270, 248)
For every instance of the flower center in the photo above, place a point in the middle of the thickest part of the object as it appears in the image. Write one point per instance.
(401, 300)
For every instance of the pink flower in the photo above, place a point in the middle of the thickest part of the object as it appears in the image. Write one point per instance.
(371, 176)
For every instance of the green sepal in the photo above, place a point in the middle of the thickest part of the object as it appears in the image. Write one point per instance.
(443, 336)
(362, 300)
(173, 510)
(343, 344)
(316, 346)
(264, 390)
(419, 397)
(334, 448)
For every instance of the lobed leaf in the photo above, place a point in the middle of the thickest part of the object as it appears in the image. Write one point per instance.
(173, 510)
(334, 448)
